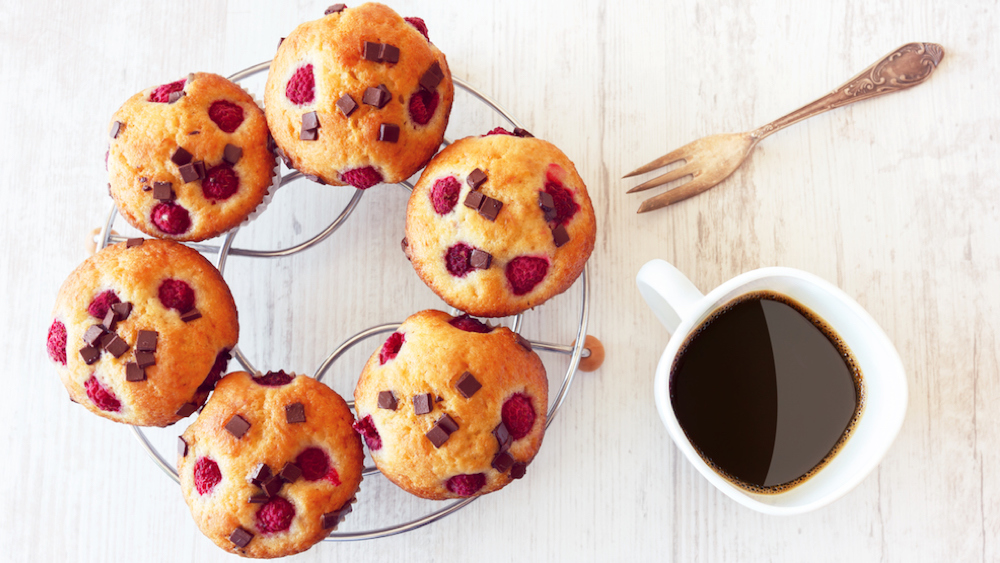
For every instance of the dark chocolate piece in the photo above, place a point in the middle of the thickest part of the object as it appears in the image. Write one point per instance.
(260, 473)
(336, 8)
(314, 178)
(116, 128)
(377, 97)
(258, 499)
(134, 373)
(192, 171)
(474, 200)
(476, 178)
(432, 77)
(560, 236)
(308, 134)
(110, 319)
(295, 413)
(518, 470)
(199, 167)
(331, 519)
(468, 385)
(310, 120)
(182, 447)
(490, 208)
(480, 259)
(174, 96)
(116, 346)
(504, 439)
(195, 133)
(522, 132)
(347, 105)
(232, 154)
(90, 354)
(163, 191)
(546, 202)
(290, 473)
(272, 485)
(145, 340)
(106, 339)
(145, 187)
(389, 53)
(93, 335)
(441, 431)
(372, 51)
(502, 462)
(123, 309)
(523, 342)
(144, 359)
(447, 423)
(186, 410)
(191, 315)
(240, 537)
(181, 156)
(237, 426)
(422, 404)
(386, 400)
(388, 132)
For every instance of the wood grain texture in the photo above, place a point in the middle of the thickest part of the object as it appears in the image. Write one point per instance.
(895, 200)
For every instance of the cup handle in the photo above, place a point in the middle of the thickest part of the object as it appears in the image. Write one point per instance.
(667, 292)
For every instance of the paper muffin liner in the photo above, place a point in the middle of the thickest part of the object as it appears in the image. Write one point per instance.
(275, 175)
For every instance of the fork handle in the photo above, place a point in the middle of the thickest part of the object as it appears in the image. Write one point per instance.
(906, 66)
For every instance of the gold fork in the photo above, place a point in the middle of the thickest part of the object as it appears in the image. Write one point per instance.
(712, 159)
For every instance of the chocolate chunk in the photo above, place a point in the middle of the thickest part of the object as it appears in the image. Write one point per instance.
(195, 133)
(422, 404)
(310, 120)
(523, 342)
(347, 105)
(290, 473)
(504, 439)
(522, 132)
(237, 426)
(134, 373)
(123, 309)
(182, 447)
(191, 315)
(260, 473)
(134, 242)
(389, 53)
(272, 485)
(331, 519)
(468, 385)
(490, 208)
(93, 335)
(174, 96)
(437, 436)
(560, 236)
(386, 400)
(480, 259)
(90, 354)
(192, 172)
(144, 359)
(447, 423)
(106, 339)
(377, 97)
(145, 340)
(432, 77)
(309, 134)
(388, 132)
(258, 499)
(372, 51)
(186, 410)
(232, 154)
(117, 346)
(546, 202)
(145, 188)
(181, 156)
(476, 178)
(474, 200)
(295, 413)
(335, 9)
(163, 191)
(240, 537)
(110, 319)
(314, 178)
(518, 470)
(116, 128)
(502, 462)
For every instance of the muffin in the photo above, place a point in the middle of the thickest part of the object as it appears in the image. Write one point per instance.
(498, 224)
(358, 97)
(271, 465)
(141, 332)
(189, 160)
(451, 407)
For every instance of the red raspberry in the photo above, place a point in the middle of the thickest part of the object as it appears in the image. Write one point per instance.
(366, 427)
(456, 259)
(391, 347)
(216, 372)
(275, 516)
(444, 194)
(171, 218)
(220, 182)
(525, 272)
(101, 396)
(227, 115)
(56, 342)
(175, 294)
(362, 178)
(315, 465)
(498, 131)
(518, 415)
(162, 93)
(469, 324)
(466, 485)
(274, 379)
(566, 206)
(420, 25)
(301, 89)
(100, 305)
(423, 104)
(206, 475)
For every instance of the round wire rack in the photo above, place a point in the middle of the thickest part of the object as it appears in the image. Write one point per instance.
(576, 351)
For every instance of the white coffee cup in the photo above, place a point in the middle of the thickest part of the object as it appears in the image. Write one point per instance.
(681, 308)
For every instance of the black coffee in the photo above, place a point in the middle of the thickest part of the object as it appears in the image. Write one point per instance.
(766, 392)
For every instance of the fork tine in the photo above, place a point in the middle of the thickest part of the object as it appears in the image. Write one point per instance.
(675, 174)
(682, 192)
(662, 161)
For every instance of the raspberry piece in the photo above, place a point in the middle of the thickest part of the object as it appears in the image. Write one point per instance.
(366, 427)
(301, 89)
(275, 516)
(456, 259)
(175, 294)
(518, 415)
(423, 104)
(162, 93)
(469, 324)
(444, 194)
(525, 272)
(391, 347)
(206, 475)
(221, 182)
(315, 465)
(56, 342)
(171, 218)
(362, 178)
(100, 305)
(466, 485)
(215, 374)
(566, 206)
(274, 379)
(420, 25)
(498, 131)
(227, 115)
(101, 396)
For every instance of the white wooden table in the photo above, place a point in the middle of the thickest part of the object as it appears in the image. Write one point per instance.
(895, 200)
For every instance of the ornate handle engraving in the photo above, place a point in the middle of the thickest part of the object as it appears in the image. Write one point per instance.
(903, 68)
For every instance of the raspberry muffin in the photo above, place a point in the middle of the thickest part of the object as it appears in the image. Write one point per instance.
(451, 407)
(189, 159)
(358, 97)
(271, 465)
(141, 332)
(499, 224)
